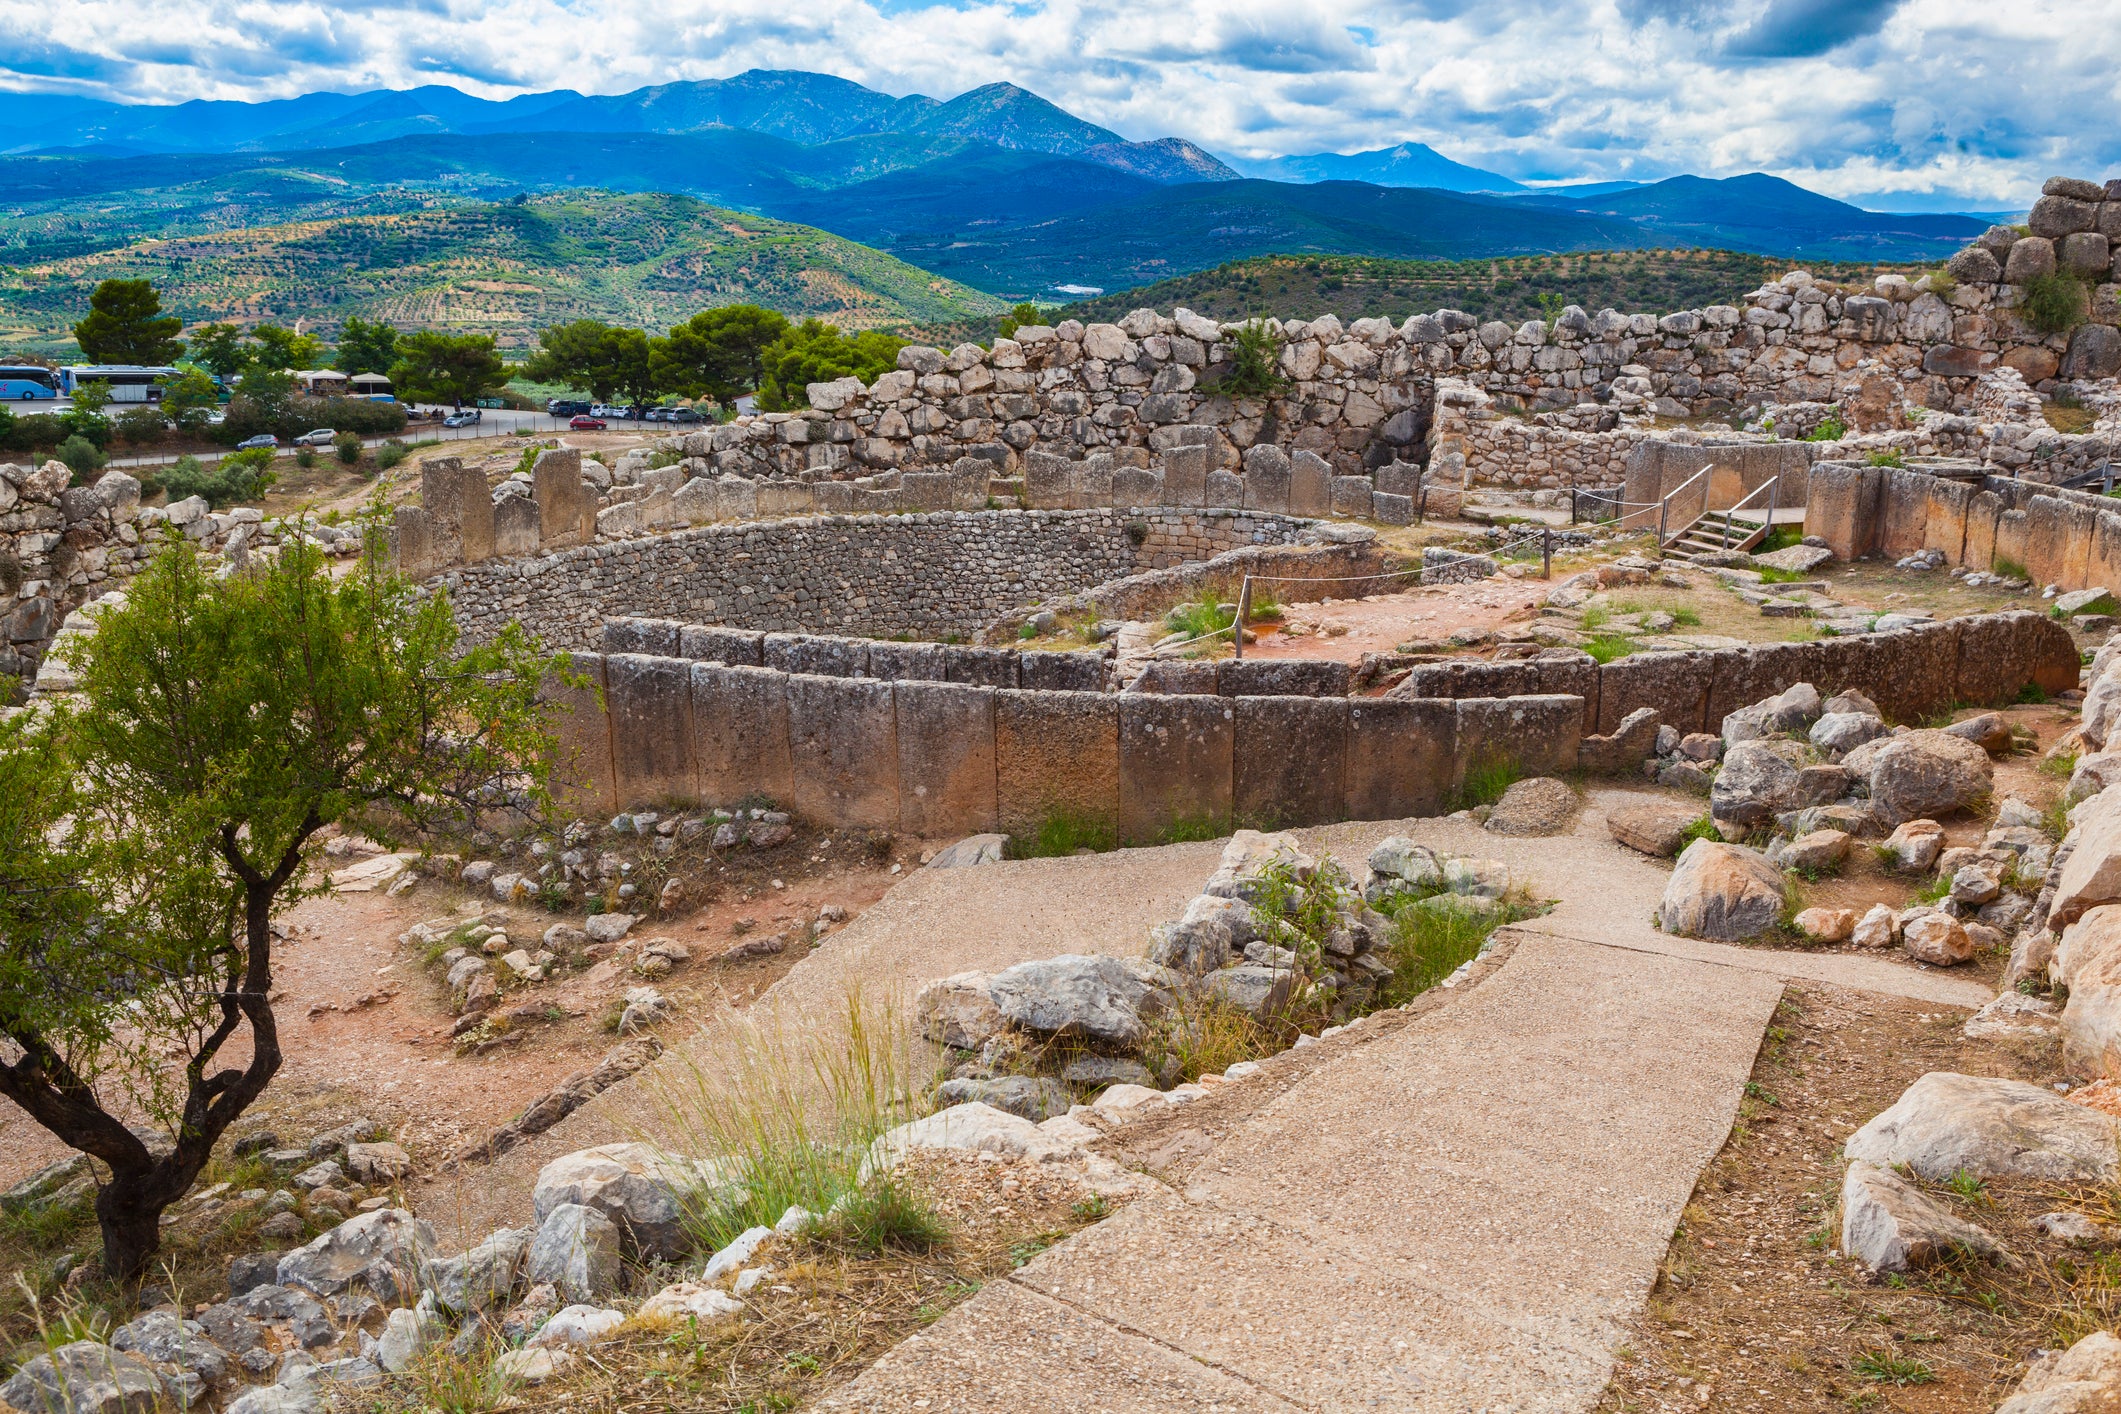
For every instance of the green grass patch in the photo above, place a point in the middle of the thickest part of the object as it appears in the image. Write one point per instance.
(1193, 829)
(2009, 568)
(883, 1216)
(1595, 616)
(1202, 1036)
(1605, 647)
(1702, 829)
(1198, 617)
(1770, 575)
(2032, 693)
(1885, 1367)
(1485, 781)
(1779, 537)
(1684, 617)
(1933, 891)
(1063, 832)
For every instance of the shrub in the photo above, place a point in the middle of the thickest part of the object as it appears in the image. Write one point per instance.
(2055, 304)
(141, 426)
(237, 477)
(305, 457)
(1891, 457)
(1254, 362)
(1830, 429)
(83, 457)
(390, 454)
(2009, 568)
(1608, 646)
(1943, 283)
(347, 446)
(1485, 781)
(1202, 1036)
(1063, 832)
(36, 432)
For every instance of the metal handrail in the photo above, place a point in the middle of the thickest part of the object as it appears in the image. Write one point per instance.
(1664, 505)
(1732, 514)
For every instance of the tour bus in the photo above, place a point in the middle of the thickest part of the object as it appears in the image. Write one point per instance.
(127, 382)
(20, 383)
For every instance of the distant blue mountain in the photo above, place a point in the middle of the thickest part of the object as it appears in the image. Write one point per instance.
(1759, 212)
(1408, 165)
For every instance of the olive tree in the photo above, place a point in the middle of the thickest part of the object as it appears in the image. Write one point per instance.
(152, 827)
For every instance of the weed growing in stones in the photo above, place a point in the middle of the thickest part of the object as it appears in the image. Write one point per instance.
(1202, 1036)
(1885, 1367)
(2009, 568)
(445, 1382)
(883, 1216)
(1606, 647)
(1064, 832)
(1683, 617)
(1486, 779)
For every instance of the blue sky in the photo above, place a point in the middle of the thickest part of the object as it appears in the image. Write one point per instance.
(1904, 103)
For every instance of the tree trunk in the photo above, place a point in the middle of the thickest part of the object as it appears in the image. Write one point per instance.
(131, 1221)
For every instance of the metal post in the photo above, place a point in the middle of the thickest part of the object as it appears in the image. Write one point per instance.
(1546, 552)
(1663, 508)
(1572, 505)
(1244, 609)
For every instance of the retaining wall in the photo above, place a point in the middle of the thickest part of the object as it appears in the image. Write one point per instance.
(1910, 673)
(931, 576)
(940, 758)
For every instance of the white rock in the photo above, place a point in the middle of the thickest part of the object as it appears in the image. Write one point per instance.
(578, 1325)
(971, 1126)
(736, 1253)
(690, 1300)
(2084, 1379)
(1890, 1226)
(1946, 1122)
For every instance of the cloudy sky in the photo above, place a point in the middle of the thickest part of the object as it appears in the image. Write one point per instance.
(1904, 103)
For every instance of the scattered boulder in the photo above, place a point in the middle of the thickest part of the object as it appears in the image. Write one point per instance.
(1914, 845)
(609, 927)
(1094, 998)
(579, 1325)
(1820, 851)
(2087, 961)
(1540, 805)
(1250, 988)
(86, 1377)
(1826, 925)
(2073, 1228)
(576, 1250)
(1088, 1070)
(484, 1277)
(1400, 860)
(970, 852)
(1924, 774)
(1890, 1226)
(689, 1301)
(974, 1127)
(403, 1340)
(384, 1251)
(1658, 830)
(1032, 1097)
(1878, 928)
(1936, 938)
(2084, 1379)
(2092, 874)
(2012, 1015)
(1724, 892)
(958, 1011)
(377, 1164)
(1991, 1128)
(535, 1366)
(637, 1186)
(175, 1344)
(1845, 731)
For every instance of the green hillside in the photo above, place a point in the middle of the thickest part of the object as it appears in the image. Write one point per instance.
(509, 269)
(1649, 281)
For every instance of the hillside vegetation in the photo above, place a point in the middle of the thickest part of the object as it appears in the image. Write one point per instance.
(647, 260)
(1651, 281)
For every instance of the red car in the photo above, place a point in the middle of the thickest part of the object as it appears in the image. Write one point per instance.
(586, 423)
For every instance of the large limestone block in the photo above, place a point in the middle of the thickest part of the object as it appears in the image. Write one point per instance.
(736, 646)
(651, 728)
(413, 544)
(1540, 734)
(86, 1377)
(1091, 998)
(1267, 479)
(576, 1251)
(1402, 756)
(1310, 485)
(945, 758)
(1890, 1226)
(843, 750)
(2092, 874)
(1290, 760)
(383, 1252)
(1904, 511)
(984, 667)
(1991, 1128)
(2000, 653)
(567, 505)
(1056, 754)
(1944, 528)
(2084, 1379)
(1721, 891)
(1185, 476)
(1674, 685)
(1175, 764)
(2046, 539)
(1843, 507)
(581, 758)
(1282, 677)
(740, 743)
(516, 526)
(638, 1187)
(1927, 774)
(2088, 962)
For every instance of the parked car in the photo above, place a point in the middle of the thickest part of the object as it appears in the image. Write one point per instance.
(613, 411)
(461, 419)
(661, 414)
(567, 407)
(321, 437)
(684, 417)
(583, 422)
(263, 439)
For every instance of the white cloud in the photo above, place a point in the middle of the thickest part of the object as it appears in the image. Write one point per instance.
(1964, 100)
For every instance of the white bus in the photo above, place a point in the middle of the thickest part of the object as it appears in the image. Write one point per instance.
(127, 382)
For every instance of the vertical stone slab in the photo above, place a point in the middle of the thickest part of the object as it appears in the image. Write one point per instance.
(740, 734)
(1310, 485)
(660, 638)
(1090, 482)
(1743, 676)
(736, 498)
(1061, 672)
(1056, 753)
(651, 729)
(1402, 754)
(2012, 533)
(1539, 735)
(412, 543)
(1982, 511)
(945, 758)
(1841, 508)
(581, 726)
(1047, 481)
(1291, 765)
(1175, 763)
(1282, 677)
(785, 498)
(907, 662)
(1133, 487)
(1352, 496)
(2000, 653)
(1185, 476)
(1267, 474)
(2081, 526)
(1945, 528)
(1903, 518)
(515, 526)
(567, 505)
(834, 498)
(986, 667)
(1225, 490)
(817, 654)
(2103, 564)
(2046, 539)
(1675, 684)
(843, 750)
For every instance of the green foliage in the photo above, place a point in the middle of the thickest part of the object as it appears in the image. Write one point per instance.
(2009, 568)
(237, 477)
(1943, 284)
(366, 346)
(1254, 354)
(1684, 617)
(81, 456)
(141, 426)
(447, 368)
(85, 418)
(718, 353)
(1199, 616)
(884, 1216)
(1018, 317)
(219, 349)
(2032, 694)
(1830, 429)
(347, 447)
(282, 350)
(1433, 937)
(593, 357)
(1200, 1035)
(189, 397)
(1892, 457)
(1606, 647)
(816, 352)
(2055, 304)
(1063, 832)
(1702, 829)
(1770, 575)
(219, 724)
(1595, 616)
(1485, 781)
(390, 454)
(1886, 1367)
(125, 324)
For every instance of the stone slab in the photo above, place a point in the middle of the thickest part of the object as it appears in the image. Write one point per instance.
(740, 734)
(985, 667)
(1402, 755)
(651, 729)
(1676, 685)
(1291, 760)
(843, 751)
(581, 763)
(907, 662)
(1282, 677)
(744, 648)
(1056, 753)
(1062, 672)
(945, 759)
(1175, 763)
(1540, 735)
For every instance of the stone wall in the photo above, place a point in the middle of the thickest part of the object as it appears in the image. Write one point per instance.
(940, 575)
(943, 759)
